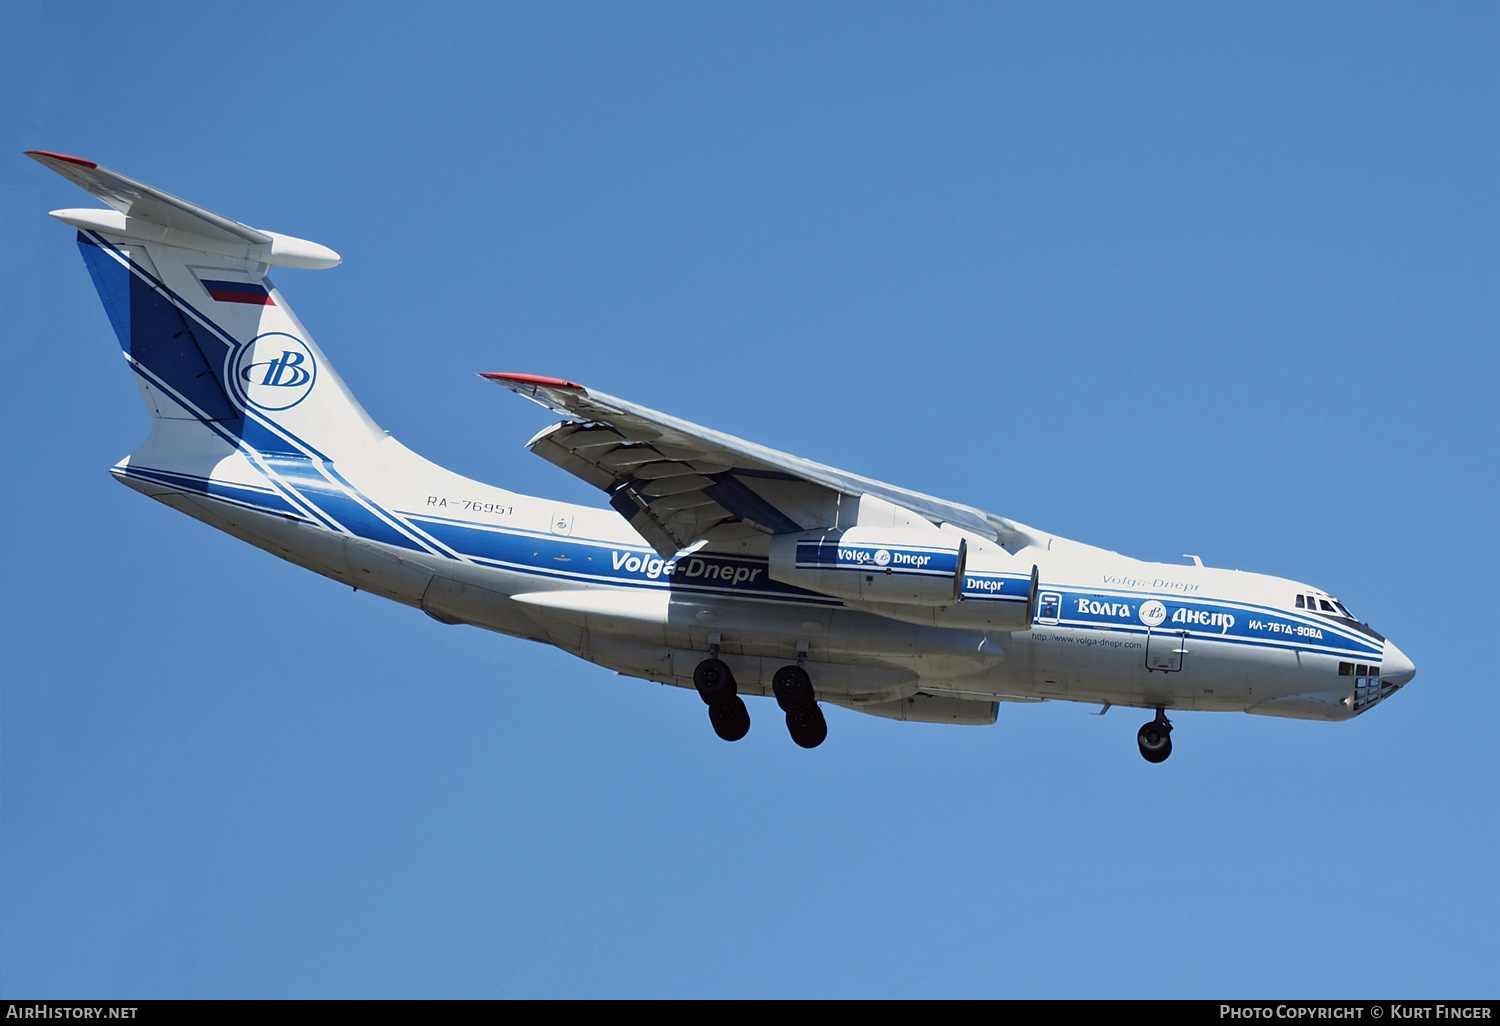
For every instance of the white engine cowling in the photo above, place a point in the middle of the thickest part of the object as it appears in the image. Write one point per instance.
(900, 565)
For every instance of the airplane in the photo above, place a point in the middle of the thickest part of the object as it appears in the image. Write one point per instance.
(718, 565)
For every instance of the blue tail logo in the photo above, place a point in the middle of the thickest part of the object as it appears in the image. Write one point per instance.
(274, 371)
(285, 371)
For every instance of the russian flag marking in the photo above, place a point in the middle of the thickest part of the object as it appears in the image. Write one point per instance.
(239, 292)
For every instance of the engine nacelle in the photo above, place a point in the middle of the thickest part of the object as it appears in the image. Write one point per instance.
(906, 566)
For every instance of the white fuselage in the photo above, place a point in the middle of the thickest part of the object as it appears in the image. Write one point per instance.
(1105, 628)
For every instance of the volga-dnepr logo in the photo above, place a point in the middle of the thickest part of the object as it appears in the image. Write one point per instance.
(1152, 613)
(274, 371)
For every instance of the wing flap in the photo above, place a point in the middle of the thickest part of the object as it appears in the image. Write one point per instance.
(570, 460)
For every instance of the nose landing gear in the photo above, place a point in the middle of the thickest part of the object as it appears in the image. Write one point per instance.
(1155, 738)
(804, 719)
(726, 709)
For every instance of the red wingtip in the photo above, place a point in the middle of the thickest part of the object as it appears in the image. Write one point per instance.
(61, 156)
(533, 379)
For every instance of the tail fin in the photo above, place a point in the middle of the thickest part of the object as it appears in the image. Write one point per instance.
(210, 338)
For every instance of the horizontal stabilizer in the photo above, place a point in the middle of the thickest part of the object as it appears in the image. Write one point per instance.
(143, 212)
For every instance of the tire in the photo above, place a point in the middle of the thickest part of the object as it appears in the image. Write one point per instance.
(807, 726)
(1155, 740)
(730, 718)
(1160, 754)
(793, 689)
(714, 681)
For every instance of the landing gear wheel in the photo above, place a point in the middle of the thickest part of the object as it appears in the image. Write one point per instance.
(730, 718)
(793, 689)
(794, 693)
(714, 681)
(807, 726)
(1155, 739)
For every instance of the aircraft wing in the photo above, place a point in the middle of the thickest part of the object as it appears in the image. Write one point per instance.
(676, 482)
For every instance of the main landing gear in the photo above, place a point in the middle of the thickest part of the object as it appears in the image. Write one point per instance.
(726, 709)
(1155, 738)
(794, 693)
(730, 718)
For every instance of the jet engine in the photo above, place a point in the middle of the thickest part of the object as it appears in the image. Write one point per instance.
(916, 574)
(901, 565)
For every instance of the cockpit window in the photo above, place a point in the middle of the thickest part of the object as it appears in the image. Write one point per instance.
(1331, 606)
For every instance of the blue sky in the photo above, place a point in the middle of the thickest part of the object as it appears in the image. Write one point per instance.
(1166, 278)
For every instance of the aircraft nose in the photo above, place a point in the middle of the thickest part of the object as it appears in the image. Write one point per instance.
(1395, 667)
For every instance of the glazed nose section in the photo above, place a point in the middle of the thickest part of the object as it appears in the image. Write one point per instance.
(1395, 667)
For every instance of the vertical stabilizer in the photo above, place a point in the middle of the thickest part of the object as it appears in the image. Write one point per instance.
(211, 339)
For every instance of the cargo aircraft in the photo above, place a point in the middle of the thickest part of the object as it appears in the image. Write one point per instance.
(719, 565)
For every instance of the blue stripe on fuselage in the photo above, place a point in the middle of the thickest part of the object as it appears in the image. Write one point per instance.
(602, 562)
(339, 502)
(582, 559)
(1207, 620)
(262, 500)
